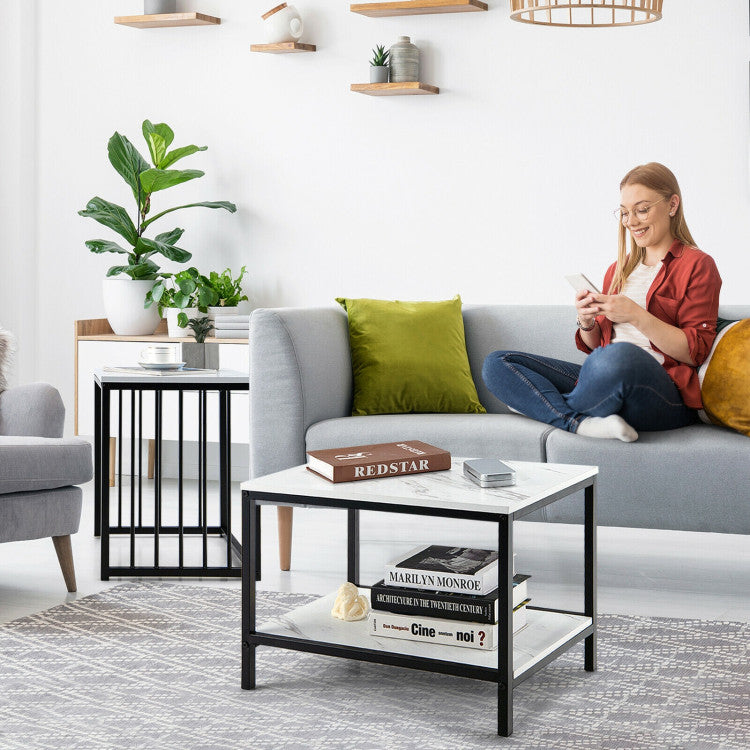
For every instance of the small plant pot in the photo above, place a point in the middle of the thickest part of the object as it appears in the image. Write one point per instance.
(173, 330)
(379, 73)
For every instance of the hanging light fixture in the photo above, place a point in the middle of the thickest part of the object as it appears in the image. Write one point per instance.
(586, 13)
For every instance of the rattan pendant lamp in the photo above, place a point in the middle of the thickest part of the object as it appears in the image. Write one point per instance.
(586, 13)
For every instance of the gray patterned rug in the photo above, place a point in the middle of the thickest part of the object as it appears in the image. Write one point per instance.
(157, 665)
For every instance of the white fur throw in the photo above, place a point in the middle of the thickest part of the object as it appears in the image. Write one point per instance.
(7, 348)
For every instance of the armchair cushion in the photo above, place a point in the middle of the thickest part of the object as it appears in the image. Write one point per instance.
(6, 350)
(28, 464)
(409, 357)
(34, 409)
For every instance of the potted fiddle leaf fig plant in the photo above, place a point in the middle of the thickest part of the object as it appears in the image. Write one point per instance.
(126, 286)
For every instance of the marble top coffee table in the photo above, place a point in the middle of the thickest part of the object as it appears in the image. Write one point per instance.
(549, 632)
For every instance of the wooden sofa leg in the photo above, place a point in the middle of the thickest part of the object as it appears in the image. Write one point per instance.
(284, 517)
(112, 456)
(65, 558)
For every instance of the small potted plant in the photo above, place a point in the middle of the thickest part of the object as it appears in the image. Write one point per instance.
(175, 295)
(379, 65)
(219, 293)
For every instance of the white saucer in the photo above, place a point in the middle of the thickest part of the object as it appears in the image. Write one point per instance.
(162, 365)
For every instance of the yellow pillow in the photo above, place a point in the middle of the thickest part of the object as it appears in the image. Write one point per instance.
(725, 378)
(409, 357)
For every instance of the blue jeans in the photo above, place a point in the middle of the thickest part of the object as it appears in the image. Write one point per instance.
(619, 379)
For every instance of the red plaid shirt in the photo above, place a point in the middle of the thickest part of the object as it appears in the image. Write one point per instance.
(685, 294)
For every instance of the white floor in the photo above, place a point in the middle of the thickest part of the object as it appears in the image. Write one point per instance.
(643, 572)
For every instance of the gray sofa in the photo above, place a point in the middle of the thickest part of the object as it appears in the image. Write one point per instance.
(38, 471)
(696, 478)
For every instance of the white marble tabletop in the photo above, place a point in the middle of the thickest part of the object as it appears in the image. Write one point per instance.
(199, 378)
(438, 489)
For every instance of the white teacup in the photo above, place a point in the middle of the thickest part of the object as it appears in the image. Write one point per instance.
(159, 354)
(282, 24)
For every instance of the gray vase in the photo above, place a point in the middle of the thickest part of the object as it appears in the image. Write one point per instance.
(378, 74)
(155, 7)
(404, 58)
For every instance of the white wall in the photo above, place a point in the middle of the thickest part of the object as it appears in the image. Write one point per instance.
(494, 189)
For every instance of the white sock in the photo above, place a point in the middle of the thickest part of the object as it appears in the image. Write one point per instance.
(612, 426)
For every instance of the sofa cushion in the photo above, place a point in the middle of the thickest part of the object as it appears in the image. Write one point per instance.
(695, 478)
(33, 463)
(725, 378)
(409, 357)
(508, 436)
(35, 515)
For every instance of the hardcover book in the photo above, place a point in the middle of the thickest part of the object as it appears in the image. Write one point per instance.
(379, 460)
(462, 570)
(424, 603)
(439, 630)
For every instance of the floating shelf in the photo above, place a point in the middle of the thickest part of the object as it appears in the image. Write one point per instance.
(163, 20)
(282, 47)
(417, 7)
(394, 89)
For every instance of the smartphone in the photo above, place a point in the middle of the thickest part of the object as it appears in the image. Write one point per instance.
(579, 282)
(489, 472)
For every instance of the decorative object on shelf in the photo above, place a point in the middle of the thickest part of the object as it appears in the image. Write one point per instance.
(417, 7)
(282, 24)
(282, 47)
(379, 65)
(176, 295)
(350, 605)
(219, 292)
(404, 61)
(591, 14)
(128, 310)
(165, 20)
(394, 89)
(157, 7)
(201, 327)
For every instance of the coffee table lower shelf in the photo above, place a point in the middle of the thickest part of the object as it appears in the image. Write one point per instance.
(312, 628)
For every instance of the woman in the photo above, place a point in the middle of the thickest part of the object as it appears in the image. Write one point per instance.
(645, 335)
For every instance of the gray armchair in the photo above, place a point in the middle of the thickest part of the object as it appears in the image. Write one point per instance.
(39, 470)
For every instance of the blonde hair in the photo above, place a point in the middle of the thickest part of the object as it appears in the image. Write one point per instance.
(660, 179)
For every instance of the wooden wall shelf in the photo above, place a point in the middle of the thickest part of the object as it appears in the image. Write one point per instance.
(164, 20)
(394, 89)
(417, 7)
(283, 47)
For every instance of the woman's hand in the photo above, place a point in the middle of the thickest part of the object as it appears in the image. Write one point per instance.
(618, 308)
(586, 308)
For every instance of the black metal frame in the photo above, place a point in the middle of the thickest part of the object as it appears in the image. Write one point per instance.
(503, 674)
(102, 522)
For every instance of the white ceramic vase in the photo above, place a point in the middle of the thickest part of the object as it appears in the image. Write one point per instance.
(123, 306)
(174, 331)
(282, 24)
(404, 61)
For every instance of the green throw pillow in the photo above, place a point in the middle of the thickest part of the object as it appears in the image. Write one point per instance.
(409, 357)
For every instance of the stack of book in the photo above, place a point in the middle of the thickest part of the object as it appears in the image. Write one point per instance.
(445, 595)
(231, 326)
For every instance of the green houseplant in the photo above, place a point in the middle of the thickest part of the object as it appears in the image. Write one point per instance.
(220, 290)
(175, 294)
(144, 179)
(379, 65)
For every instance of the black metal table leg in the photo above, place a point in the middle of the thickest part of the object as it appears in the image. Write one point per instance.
(98, 468)
(590, 575)
(103, 459)
(505, 627)
(250, 550)
(352, 546)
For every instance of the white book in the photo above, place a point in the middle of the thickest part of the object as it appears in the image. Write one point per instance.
(229, 333)
(438, 630)
(223, 317)
(461, 570)
(230, 323)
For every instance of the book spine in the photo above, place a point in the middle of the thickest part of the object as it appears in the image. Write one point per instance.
(434, 630)
(376, 469)
(432, 604)
(455, 583)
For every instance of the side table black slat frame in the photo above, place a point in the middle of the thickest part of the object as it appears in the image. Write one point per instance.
(102, 522)
(503, 675)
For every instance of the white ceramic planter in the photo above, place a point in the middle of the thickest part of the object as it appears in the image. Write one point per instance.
(123, 306)
(282, 24)
(173, 329)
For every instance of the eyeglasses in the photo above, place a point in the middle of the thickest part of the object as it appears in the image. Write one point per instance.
(641, 212)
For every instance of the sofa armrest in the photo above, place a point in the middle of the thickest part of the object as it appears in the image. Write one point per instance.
(300, 374)
(34, 409)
